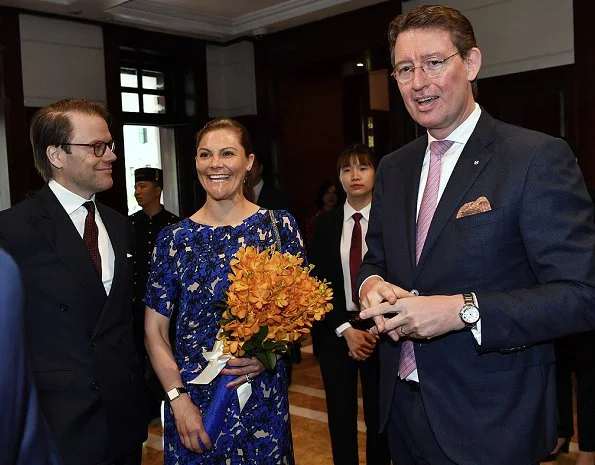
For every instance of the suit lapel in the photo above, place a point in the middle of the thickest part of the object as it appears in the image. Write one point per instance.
(473, 160)
(335, 236)
(57, 228)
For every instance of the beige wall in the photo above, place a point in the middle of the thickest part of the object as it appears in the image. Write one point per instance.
(517, 35)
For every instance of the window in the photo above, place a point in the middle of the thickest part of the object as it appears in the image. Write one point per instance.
(143, 90)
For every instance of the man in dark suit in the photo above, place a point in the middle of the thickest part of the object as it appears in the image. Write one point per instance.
(265, 193)
(342, 341)
(24, 438)
(492, 226)
(147, 222)
(75, 257)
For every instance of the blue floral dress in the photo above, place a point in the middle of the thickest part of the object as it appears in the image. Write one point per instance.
(189, 276)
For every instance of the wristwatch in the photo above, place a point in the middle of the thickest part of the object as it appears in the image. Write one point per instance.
(176, 392)
(469, 313)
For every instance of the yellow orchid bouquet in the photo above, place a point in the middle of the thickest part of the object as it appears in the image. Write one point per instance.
(271, 302)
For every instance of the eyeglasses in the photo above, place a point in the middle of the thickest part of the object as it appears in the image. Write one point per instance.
(431, 67)
(99, 148)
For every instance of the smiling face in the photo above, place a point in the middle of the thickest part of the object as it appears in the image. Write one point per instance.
(221, 164)
(443, 102)
(80, 171)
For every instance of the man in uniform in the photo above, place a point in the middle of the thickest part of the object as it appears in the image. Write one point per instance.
(147, 222)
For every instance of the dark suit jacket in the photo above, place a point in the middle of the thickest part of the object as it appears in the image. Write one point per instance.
(272, 198)
(24, 437)
(326, 258)
(80, 341)
(530, 261)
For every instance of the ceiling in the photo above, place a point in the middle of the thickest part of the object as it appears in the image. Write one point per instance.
(219, 20)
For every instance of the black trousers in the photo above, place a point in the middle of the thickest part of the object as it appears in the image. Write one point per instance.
(340, 374)
(135, 458)
(576, 354)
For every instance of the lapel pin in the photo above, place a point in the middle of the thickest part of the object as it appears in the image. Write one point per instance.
(476, 162)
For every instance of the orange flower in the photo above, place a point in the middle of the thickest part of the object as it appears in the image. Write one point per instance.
(271, 302)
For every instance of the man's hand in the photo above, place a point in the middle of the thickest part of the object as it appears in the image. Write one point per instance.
(418, 317)
(361, 343)
(189, 424)
(377, 292)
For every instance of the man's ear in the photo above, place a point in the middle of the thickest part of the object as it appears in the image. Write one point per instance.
(251, 162)
(473, 63)
(55, 154)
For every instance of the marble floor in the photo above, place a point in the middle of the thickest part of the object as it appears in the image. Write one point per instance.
(308, 421)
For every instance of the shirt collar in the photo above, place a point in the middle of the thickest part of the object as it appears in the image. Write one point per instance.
(68, 199)
(463, 132)
(348, 211)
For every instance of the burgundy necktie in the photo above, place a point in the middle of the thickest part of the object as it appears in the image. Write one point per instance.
(429, 201)
(355, 255)
(91, 235)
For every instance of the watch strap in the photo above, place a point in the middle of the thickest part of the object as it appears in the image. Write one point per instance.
(176, 392)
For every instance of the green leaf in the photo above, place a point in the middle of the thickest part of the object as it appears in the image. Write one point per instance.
(260, 335)
(272, 359)
(249, 345)
(262, 357)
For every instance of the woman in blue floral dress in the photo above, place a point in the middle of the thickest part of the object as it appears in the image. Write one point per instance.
(188, 278)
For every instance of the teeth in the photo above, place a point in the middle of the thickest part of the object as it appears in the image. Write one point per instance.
(218, 177)
(425, 99)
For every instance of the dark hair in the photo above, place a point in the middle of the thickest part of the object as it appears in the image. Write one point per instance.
(52, 125)
(230, 125)
(320, 193)
(435, 17)
(362, 153)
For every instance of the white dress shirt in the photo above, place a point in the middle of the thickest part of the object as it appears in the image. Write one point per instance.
(348, 223)
(459, 137)
(73, 204)
(257, 188)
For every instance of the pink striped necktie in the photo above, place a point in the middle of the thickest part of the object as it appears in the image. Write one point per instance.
(429, 201)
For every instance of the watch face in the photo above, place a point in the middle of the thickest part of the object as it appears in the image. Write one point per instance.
(470, 314)
(173, 393)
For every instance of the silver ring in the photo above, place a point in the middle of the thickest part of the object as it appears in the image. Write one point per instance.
(248, 379)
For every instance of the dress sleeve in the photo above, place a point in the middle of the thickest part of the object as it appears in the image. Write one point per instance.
(163, 284)
(291, 238)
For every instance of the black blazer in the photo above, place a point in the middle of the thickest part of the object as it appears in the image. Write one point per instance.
(80, 341)
(326, 258)
(272, 198)
(530, 261)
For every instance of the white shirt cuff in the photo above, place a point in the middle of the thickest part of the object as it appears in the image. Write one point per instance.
(476, 330)
(340, 329)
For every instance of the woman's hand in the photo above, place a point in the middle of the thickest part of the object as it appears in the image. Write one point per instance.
(189, 424)
(246, 369)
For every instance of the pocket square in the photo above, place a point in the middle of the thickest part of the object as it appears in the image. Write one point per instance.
(480, 205)
(128, 255)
